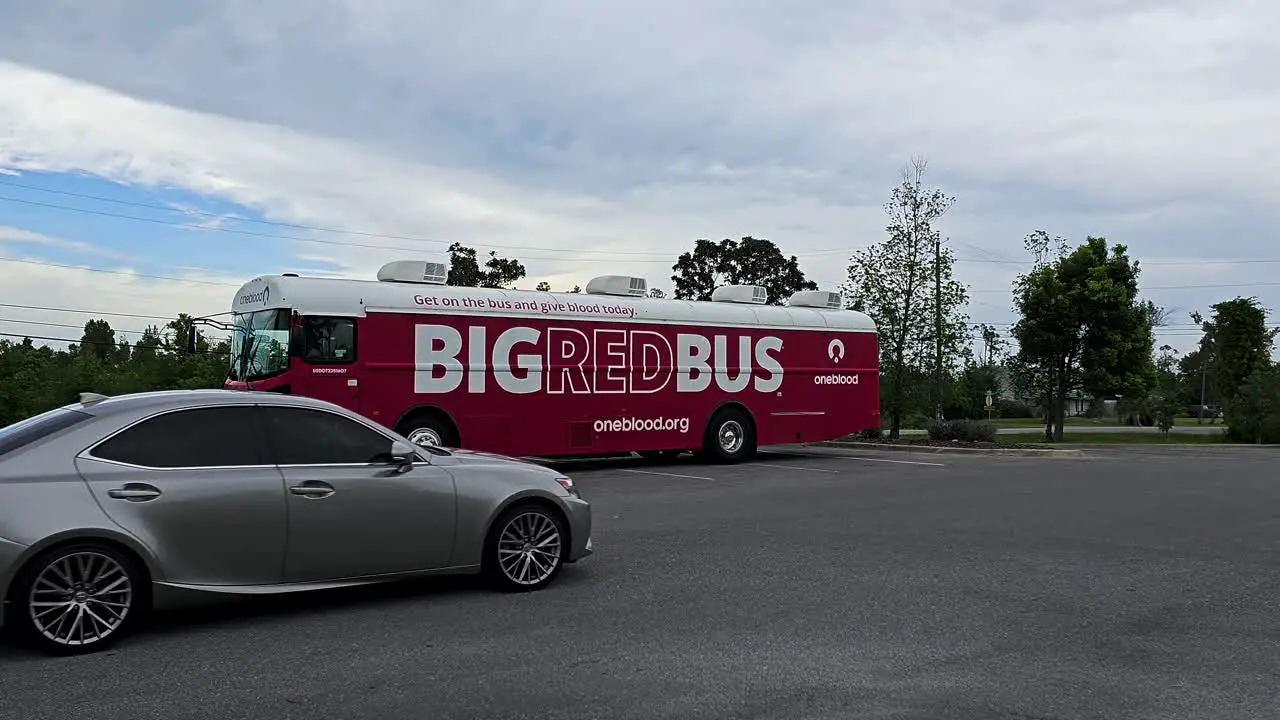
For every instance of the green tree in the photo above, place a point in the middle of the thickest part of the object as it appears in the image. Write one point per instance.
(543, 286)
(1082, 326)
(751, 261)
(99, 339)
(34, 378)
(497, 272)
(906, 284)
(1255, 410)
(1238, 343)
(656, 293)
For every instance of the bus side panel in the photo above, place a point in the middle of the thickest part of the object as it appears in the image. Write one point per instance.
(576, 387)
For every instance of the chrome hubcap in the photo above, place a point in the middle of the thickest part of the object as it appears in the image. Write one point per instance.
(80, 599)
(529, 548)
(732, 437)
(427, 437)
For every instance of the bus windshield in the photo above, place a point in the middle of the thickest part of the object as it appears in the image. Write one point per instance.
(259, 344)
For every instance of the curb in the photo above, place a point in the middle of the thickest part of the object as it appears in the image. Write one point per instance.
(929, 450)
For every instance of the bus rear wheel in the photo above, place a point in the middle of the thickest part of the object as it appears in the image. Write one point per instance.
(730, 438)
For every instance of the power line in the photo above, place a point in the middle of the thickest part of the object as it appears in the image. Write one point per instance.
(121, 216)
(98, 342)
(64, 266)
(85, 312)
(993, 259)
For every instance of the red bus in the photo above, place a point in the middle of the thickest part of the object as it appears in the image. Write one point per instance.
(544, 374)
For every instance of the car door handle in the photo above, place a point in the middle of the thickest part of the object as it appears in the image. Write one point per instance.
(312, 490)
(134, 493)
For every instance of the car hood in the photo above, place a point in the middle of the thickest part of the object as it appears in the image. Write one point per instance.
(475, 457)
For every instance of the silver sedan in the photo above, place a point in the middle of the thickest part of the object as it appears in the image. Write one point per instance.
(113, 506)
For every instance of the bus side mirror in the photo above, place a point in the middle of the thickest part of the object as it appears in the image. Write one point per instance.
(296, 341)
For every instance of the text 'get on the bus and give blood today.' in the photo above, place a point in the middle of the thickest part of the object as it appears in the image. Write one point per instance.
(626, 361)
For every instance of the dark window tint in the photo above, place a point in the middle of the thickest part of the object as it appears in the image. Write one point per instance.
(21, 434)
(206, 437)
(316, 437)
(329, 340)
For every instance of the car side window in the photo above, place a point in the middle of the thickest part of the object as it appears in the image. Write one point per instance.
(300, 436)
(200, 437)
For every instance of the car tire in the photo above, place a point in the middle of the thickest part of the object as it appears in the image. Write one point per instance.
(100, 594)
(512, 560)
(730, 438)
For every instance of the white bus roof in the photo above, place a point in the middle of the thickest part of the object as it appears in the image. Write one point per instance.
(331, 296)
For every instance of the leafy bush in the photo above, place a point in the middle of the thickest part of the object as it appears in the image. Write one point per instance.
(874, 433)
(915, 420)
(1014, 409)
(961, 431)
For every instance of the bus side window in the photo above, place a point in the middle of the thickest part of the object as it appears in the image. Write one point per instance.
(329, 340)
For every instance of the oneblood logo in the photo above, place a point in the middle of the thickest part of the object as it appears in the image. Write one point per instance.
(835, 379)
(525, 360)
(642, 425)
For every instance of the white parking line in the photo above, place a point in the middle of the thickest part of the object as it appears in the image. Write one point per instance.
(797, 467)
(884, 460)
(674, 475)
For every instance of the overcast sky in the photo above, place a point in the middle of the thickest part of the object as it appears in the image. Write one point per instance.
(589, 137)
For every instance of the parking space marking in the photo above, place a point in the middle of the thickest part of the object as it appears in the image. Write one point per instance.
(674, 475)
(886, 460)
(798, 467)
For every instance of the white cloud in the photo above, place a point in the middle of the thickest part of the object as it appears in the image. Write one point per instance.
(12, 236)
(605, 137)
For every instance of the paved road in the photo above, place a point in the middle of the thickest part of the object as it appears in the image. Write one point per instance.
(1031, 430)
(825, 585)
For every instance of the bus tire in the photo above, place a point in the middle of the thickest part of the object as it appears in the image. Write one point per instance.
(429, 428)
(730, 437)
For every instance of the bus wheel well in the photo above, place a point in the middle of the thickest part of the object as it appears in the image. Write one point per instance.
(730, 435)
(431, 422)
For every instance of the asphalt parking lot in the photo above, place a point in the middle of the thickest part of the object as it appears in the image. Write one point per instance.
(813, 583)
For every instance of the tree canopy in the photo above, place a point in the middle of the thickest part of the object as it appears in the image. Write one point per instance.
(750, 261)
(1082, 326)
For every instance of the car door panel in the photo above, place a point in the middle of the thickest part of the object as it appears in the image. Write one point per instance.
(351, 512)
(376, 520)
(206, 526)
(193, 486)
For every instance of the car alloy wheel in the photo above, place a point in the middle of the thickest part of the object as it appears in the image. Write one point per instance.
(527, 550)
(77, 599)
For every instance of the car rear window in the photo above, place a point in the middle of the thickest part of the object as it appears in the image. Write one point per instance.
(25, 432)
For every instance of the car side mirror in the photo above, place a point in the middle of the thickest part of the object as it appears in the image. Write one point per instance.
(403, 455)
(296, 341)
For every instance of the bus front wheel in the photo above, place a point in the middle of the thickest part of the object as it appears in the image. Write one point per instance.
(730, 438)
(429, 429)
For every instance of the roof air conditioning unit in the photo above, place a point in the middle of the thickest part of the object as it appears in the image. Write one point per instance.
(418, 272)
(817, 299)
(750, 294)
(621, 285)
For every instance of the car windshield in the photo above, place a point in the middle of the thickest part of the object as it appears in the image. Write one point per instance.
(259, 344)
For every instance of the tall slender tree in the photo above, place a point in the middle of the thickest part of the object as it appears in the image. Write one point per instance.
(906, 284)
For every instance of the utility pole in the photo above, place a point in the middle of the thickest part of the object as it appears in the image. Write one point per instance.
(937, 330)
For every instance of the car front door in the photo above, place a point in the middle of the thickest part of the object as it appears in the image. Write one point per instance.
(193, 485)
(351, 512)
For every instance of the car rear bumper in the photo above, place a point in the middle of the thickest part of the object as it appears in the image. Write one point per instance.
(10, 554)
(579, 516)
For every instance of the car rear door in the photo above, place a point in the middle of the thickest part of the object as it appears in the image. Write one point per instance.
(193, 485)
(351, 513)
